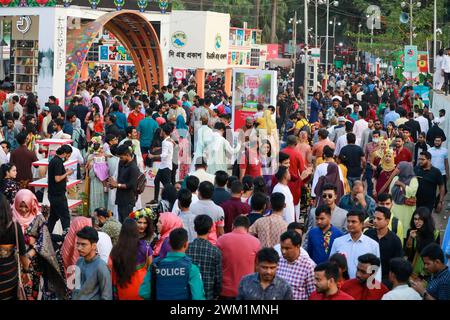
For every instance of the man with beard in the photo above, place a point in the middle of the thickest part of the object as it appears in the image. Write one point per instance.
(264, 284)
(365, 286)
(126, 182)
(325, 280)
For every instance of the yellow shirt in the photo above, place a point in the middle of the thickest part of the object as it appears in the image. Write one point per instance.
(301, 123)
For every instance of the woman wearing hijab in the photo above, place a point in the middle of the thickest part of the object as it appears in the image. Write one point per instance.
(69, 251)
(384, 173)
(46, 262)
(333, 178)
(167, 222)
(403, 189)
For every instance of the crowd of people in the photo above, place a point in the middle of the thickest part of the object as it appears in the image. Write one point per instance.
(329, 201)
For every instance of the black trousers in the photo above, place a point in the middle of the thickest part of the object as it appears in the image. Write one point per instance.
(124, 211)
(164, 176)
(59, 210)
(446, 82)
(174, 173)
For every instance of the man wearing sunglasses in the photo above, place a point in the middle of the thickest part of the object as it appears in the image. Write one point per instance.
(338, 215)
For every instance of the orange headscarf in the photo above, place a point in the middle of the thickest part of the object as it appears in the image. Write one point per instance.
(169, 222)
(28, 197)
(69, 251)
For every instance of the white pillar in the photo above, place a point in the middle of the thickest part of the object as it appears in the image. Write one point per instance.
(52, 44)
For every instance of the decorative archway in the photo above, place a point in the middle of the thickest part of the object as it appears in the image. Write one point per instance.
(135, 33)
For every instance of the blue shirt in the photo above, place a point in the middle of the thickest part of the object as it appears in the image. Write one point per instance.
(390, 116)
(316, 248)
(250, 289)
(121, 120)
(68, 128)
(147, 128)
(315, 107)
(438, 157)
(347, 204)
(439, 285)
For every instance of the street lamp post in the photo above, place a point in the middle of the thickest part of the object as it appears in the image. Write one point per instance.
(411, 27)
(357, 48)
(335, 3)
(334, 34)
(305, 82)
(294, 22)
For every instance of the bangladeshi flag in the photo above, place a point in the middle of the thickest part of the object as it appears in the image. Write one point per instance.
(422, 63)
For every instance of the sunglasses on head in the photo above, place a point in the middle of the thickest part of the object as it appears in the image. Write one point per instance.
(327, 195)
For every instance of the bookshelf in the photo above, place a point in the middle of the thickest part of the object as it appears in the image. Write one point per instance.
(24, 65)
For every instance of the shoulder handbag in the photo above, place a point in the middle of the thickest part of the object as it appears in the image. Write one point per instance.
(411, 201)
(21, 295)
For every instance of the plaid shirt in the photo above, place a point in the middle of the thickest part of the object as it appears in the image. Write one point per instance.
(209, 260)
(300, 276)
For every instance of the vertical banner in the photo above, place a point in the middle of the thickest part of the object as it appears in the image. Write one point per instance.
(411, 56)
(422, 61)
(251, 87)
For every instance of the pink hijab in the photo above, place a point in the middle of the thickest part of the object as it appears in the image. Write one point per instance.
(69, 251)
(25, 195)
(98, 101)
(169, 222)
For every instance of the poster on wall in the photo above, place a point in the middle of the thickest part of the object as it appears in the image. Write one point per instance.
(113, 54)
(250, 88)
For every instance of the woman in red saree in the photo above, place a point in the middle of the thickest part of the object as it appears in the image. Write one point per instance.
(386, 170)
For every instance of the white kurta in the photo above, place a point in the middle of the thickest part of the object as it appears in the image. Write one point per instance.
(289, 211)
(438, 79)
(217, 151)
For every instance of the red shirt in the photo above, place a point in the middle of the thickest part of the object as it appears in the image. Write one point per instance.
(239, 250)
(134, 119)
(361, 291)
(233, 208)
(403, 155)
(337, 296)
(253, 168)
(296, 168)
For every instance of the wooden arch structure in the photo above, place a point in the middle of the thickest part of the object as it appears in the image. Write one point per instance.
(134, 32)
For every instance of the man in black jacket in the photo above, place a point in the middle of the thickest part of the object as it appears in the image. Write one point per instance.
(413, 125)
(126, 182)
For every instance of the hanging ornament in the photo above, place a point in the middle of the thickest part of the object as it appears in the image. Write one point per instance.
(142, 4)
(119, 4)
(163, 5)
(94, 3)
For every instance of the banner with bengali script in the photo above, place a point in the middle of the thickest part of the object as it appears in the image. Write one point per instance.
(250, 88)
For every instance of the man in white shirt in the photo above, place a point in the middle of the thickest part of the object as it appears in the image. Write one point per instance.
(5, 153)
(201, 171)
(283, 176)
(164, 174)
(355, 244)
(359, 126)
(192, 184)
(446, 71)
(342, 140)
(399, 272)
(424, 125)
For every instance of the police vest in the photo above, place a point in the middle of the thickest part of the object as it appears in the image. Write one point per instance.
(172, 279)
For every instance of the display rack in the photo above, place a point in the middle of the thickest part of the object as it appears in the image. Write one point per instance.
(43, 182)
(25, 65)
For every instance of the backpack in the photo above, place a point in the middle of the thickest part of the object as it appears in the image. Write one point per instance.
(141, 183)
(81, 142)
